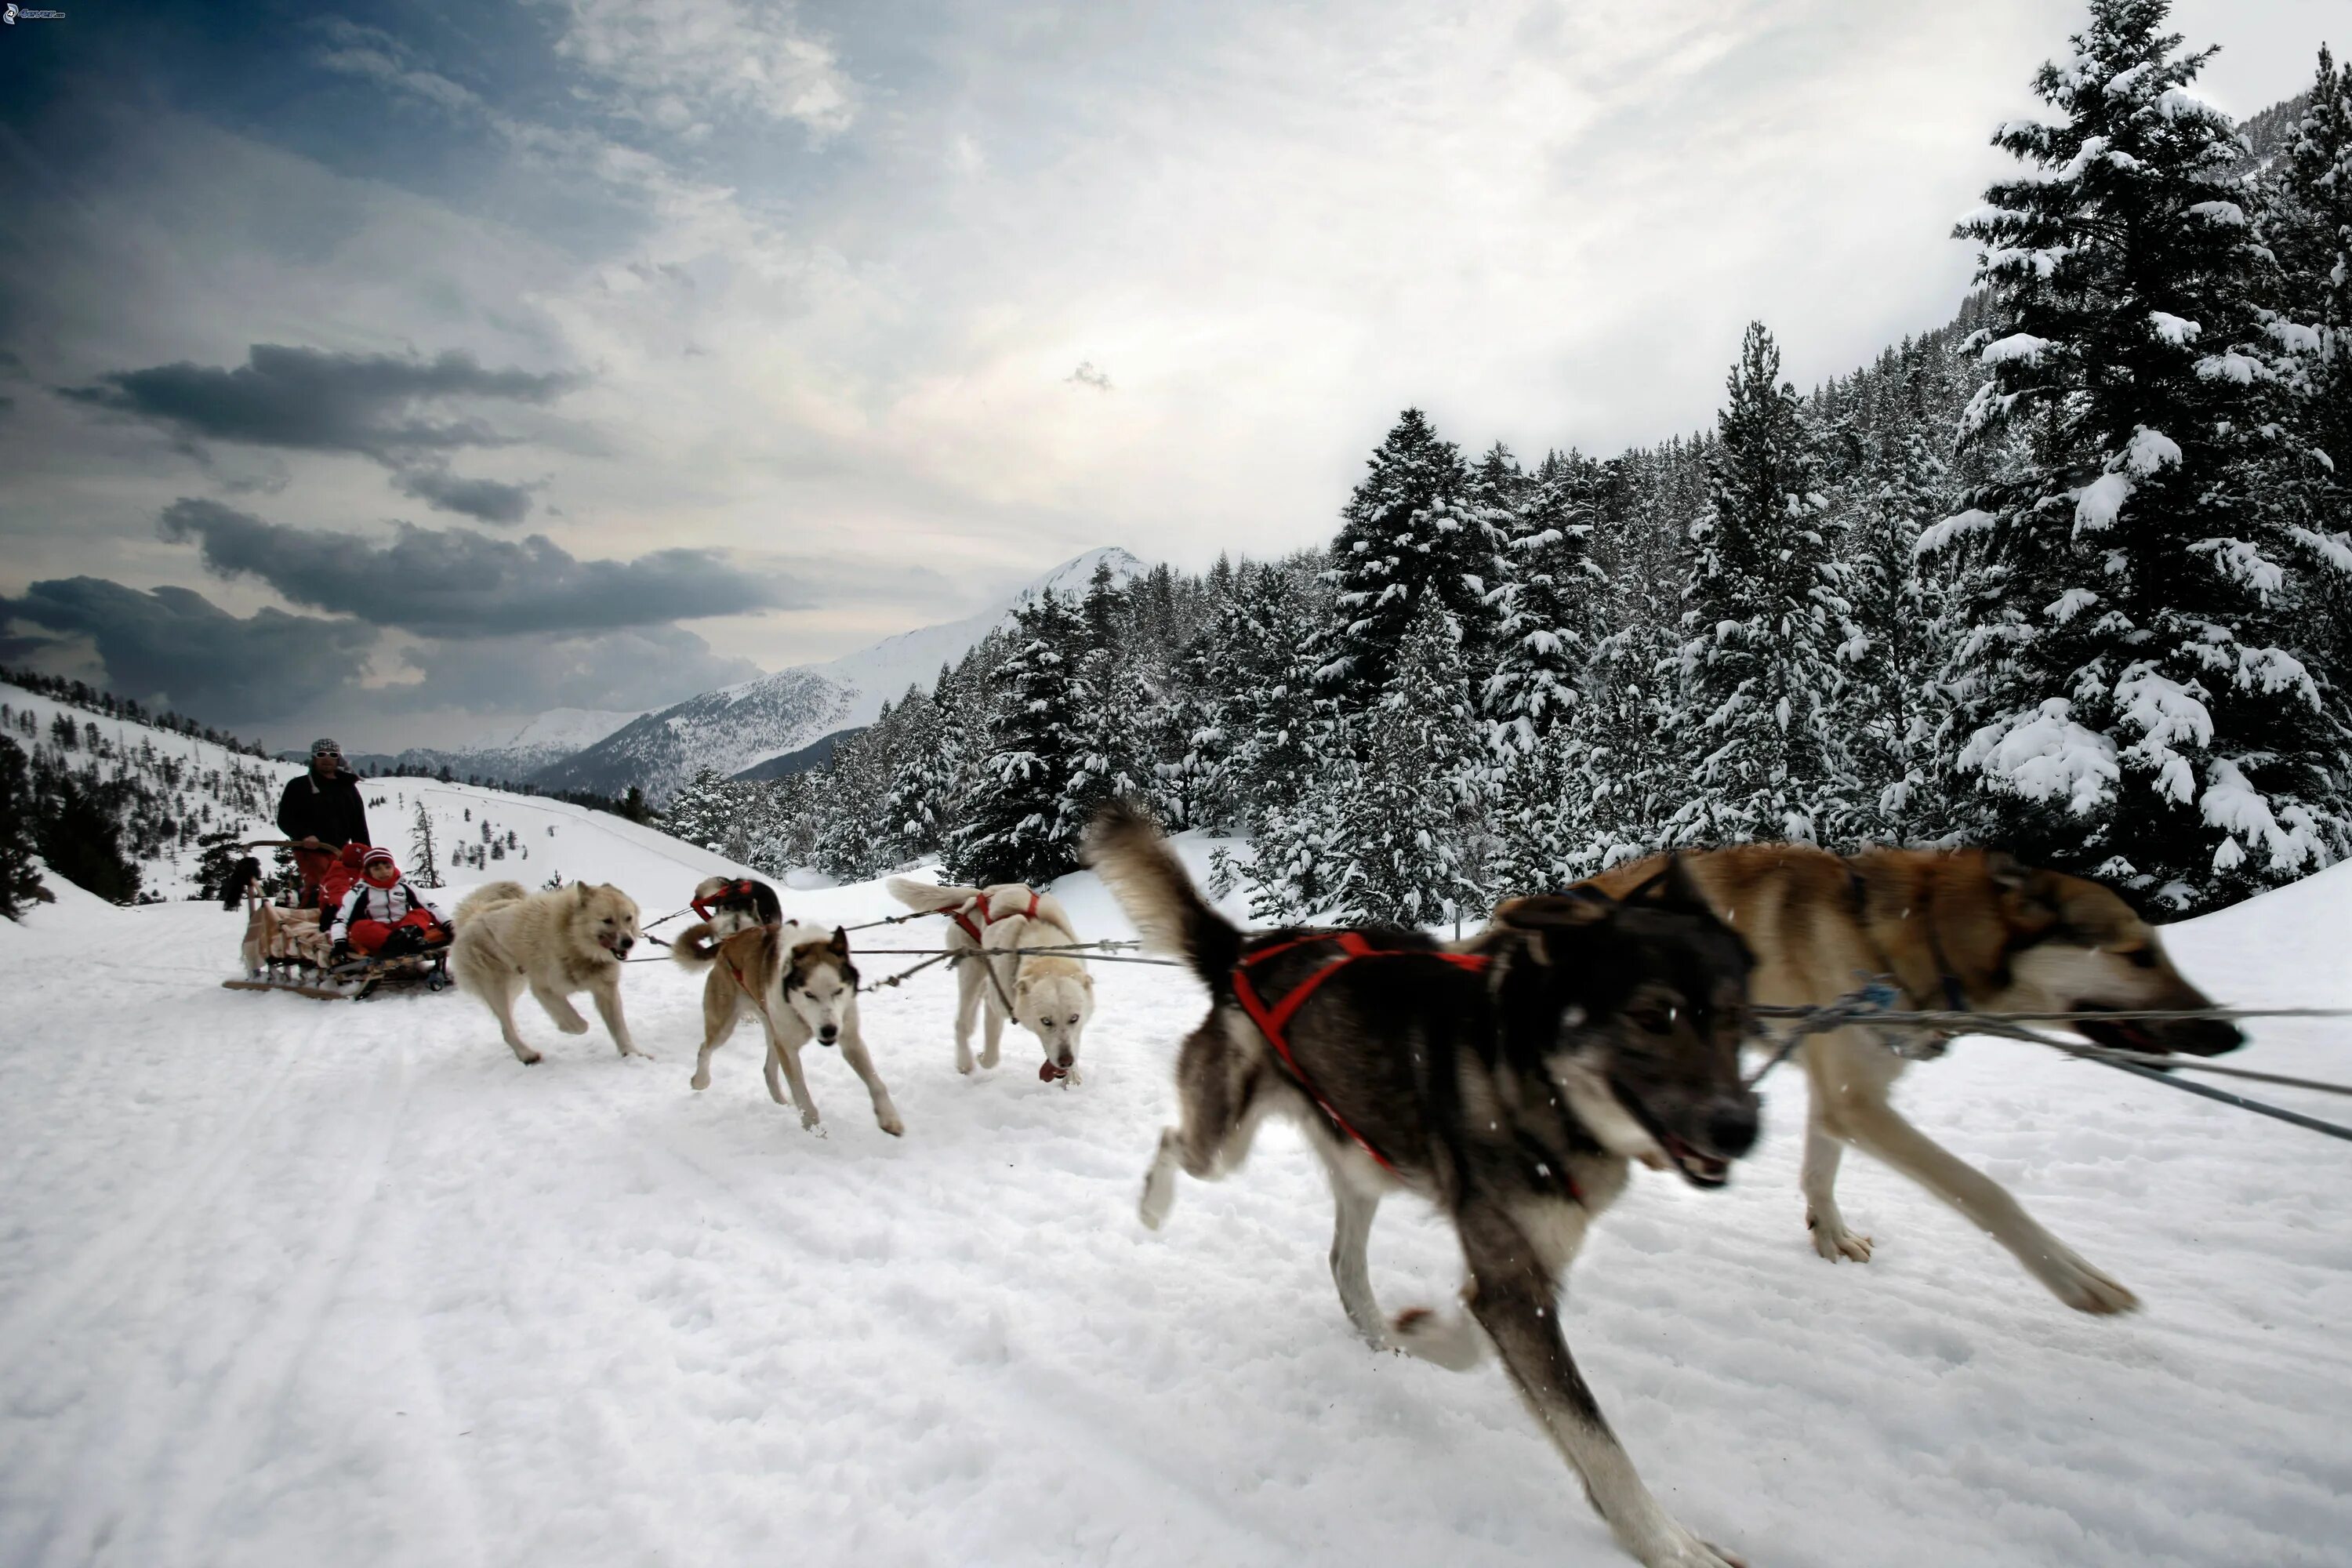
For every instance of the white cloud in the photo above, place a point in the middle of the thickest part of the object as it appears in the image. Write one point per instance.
(669, 63)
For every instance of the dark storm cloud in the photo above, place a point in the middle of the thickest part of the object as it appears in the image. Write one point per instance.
(311, 400)
(174, 647)
(487, 500)
(456, 583)
(645, 667)
(385, 407)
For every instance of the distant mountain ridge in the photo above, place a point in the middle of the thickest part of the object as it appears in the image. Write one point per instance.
(745, 728)
(501, 756)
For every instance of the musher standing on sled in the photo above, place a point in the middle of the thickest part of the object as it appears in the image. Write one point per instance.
(382, 916)
(320, 812)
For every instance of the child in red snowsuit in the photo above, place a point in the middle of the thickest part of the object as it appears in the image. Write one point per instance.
(383, 914)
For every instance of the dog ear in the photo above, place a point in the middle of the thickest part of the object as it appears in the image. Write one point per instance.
(1087, 981)
(1671, 888)
(580, 891)
(1557, 911)
(840, 944)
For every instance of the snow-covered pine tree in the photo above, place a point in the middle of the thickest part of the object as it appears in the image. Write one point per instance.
(1409, 530)
(1113, 753)
(2305, 202)
(1021, 824)
(703, 811)
(1760, 625)
(1622, 772)
(1413, 843)
(1264, 689)
(20, 884)
(2135, 691)
(1542, 605)
(1889, 709)
(423, 865)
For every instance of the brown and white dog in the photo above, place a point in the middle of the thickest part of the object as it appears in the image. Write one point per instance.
(555, 944)
(800, 982)
(1511, 1082)
(1959, 931)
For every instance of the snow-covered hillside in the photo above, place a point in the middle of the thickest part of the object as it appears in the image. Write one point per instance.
(509, 754)
(738, 727)
(290, 1282)
(479, 833)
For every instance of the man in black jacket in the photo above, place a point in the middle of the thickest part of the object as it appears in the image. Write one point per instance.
(322, 811)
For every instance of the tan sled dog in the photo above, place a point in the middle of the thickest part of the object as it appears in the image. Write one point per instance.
(800, 979)
(1051, 993)
(556, 942)
(1959, 931)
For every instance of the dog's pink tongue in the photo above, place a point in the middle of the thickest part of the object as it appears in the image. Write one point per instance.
(1047, 1072)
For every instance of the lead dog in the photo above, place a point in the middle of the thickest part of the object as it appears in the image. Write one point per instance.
(800, 979)
(557, 943)
(1509, 1084)
(1959, 930)
(991, 931)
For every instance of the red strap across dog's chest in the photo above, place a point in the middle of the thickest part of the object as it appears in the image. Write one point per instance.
(1271, 1020)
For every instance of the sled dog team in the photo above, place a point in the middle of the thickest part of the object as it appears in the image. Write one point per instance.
(1511, 1079)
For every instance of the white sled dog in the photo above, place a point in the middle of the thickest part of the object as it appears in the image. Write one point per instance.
(556, 942)
(991, 929)
(800, 979)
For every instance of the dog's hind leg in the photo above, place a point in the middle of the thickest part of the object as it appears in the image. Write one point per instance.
(1216, 1093)
(721, 1003)
(1351, 1234)
(1855, 1110)
(1515, 1300)
(560, 1009)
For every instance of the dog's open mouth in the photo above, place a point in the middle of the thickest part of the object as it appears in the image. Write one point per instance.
(1047, 1072)
(1699, 1170)
(2119, 1035)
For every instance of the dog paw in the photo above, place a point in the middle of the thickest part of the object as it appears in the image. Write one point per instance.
(572, 1026)
(2083, 1288)
(1158, 1194)
(526, 1055)
(1835, 1242)
(809, 1120)
(1456, 1343)
(1683, 1549)
(699, 1081)
(893, 1126)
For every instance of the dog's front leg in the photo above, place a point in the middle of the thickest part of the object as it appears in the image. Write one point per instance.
(788, 1057)
(969, 982)
(608, 1007)
(853, 1051)
(992, 1021)
(1513, 1296)
(500, 995)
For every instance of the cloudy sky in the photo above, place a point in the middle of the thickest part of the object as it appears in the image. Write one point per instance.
(400, 368)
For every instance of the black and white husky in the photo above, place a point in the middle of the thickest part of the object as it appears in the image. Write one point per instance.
(1509, 1080)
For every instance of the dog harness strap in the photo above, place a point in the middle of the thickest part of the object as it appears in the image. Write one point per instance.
(1270, 1021)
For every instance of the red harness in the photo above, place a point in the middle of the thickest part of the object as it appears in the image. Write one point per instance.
(962, 917)
(1270, 1020)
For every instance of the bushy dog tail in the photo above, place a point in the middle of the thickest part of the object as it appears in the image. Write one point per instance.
(697, 946)
(924, 896)
(488, 896)
(1126, 847)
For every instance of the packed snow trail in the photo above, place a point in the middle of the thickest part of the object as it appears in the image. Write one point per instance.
(289, 1282)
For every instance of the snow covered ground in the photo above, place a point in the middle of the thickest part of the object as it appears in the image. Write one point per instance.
(286, 1282)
